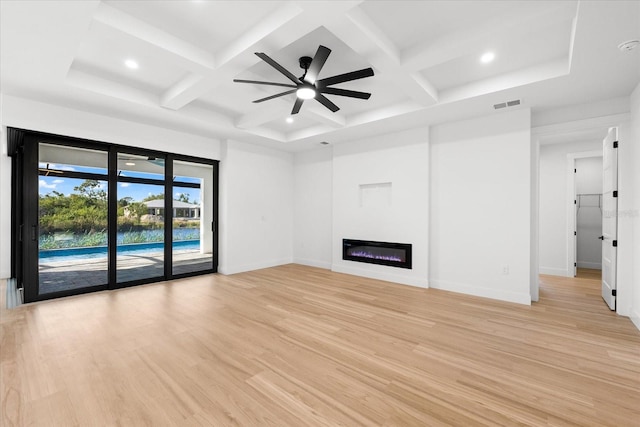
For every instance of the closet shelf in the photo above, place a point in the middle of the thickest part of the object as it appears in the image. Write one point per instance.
(589, 200)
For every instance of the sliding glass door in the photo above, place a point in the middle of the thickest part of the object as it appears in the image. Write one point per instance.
(192, 209)
(141, 217)
(72, 218)
(97, 216)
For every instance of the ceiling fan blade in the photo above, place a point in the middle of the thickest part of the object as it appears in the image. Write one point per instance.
(297, 105)
(324, 101)
(264, 83)
(345, 92)
(274, 96)
(316, 64)
(346, 77)
(278, 67)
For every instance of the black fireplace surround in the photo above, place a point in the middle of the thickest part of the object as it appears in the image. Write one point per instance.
(383, 253)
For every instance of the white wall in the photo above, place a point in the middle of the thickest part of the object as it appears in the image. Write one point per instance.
(38, 116)
(634, 214)
(554, 205)
(256, 207)
(588, 178)
(400, 161)
(481, 206)
(313, 211)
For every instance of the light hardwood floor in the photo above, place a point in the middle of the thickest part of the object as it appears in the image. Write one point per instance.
(589, 273)
(296, 346)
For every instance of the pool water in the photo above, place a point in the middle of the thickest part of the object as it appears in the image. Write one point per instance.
(92, 252)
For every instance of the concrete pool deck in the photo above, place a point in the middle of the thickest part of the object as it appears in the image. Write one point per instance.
(76, 274)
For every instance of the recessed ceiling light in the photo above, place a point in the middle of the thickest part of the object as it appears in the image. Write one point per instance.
(130, 164)
(130, 63)
(289, 120)
(487, 57)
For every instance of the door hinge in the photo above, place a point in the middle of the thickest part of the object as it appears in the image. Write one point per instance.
(615, 144)
(615, 193)
(575, 233)
(615, 243)
(575, 202)
(613, 292)
(575, 171)
(575, 264)
(213, 226)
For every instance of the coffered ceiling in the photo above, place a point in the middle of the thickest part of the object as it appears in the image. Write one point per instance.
(425, 55)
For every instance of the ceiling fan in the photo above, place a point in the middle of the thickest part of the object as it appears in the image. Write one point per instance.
(308, 86)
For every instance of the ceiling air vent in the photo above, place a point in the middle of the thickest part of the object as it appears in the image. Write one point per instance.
(506, 104)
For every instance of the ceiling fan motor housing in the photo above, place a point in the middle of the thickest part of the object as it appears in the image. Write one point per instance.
(305, 62)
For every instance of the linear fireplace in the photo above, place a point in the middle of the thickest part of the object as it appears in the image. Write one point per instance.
(383, 253)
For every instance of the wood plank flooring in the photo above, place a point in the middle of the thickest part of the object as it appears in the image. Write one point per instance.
(300, 346)
(589, 273)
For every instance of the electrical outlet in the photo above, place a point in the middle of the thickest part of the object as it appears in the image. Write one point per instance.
(505, 269)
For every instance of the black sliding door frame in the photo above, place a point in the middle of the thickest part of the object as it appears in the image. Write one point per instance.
(25, 208)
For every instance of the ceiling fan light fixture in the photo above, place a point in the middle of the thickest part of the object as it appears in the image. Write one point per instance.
(289, 119)
(306, 91)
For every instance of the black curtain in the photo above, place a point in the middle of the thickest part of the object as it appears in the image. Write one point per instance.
(15, 145)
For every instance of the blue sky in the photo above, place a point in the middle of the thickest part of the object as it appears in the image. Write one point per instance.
(48, 184)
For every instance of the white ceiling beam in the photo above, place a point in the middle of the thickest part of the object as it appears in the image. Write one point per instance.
(180, 88)
(398, 109)
(110, 88)
(265, 27)
(191, 117)
(309, 132)
(192, 87)
(538, 73)
(260, 116)
(323, 115)
(370, 41)
(282, 107)
(267, 133)
(199, 59)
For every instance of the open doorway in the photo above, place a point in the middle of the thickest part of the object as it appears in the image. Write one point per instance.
(589, 212)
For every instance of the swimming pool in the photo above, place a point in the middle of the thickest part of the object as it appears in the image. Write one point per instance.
(92, 252)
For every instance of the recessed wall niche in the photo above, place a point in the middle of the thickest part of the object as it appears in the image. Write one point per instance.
(376, 195)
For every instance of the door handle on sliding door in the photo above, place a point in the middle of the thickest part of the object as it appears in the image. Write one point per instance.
(34, 229)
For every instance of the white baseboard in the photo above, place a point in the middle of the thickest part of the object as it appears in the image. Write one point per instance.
(555, 271)
(233, 269)
(464, 288)
(313, 263)
(587, 264)
(381, 275)
(635, 318)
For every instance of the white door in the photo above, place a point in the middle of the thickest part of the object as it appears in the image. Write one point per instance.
(609, 216)
(575, 224)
